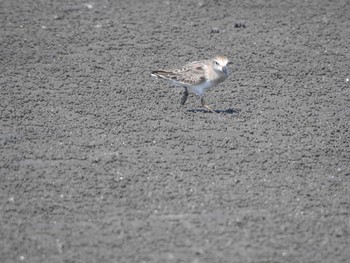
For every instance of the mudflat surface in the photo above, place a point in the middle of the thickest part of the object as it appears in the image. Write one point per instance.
(100, 163)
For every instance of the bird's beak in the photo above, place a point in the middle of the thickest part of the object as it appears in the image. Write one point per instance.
(224, 69)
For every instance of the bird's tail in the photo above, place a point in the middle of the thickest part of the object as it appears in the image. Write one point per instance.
(158, 73)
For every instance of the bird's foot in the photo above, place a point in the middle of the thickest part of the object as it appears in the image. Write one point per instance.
(208, 108)
(204, 105)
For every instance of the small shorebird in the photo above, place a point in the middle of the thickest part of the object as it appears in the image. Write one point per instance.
(197, 77)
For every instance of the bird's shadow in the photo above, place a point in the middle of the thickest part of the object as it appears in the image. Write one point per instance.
(227, 111)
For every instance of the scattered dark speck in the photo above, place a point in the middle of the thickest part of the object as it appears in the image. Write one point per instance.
(215, 30)
(240, 25)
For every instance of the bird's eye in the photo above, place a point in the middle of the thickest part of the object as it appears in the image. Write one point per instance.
(216, 63)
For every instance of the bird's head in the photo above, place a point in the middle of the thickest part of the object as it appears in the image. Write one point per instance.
(220, 64)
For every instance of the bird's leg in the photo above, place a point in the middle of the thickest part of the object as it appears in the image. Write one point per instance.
(184, 96)
(205, 105)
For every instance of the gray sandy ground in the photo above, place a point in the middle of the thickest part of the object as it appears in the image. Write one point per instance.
(100, 163)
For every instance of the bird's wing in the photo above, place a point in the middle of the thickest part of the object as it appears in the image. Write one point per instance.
(191, 74)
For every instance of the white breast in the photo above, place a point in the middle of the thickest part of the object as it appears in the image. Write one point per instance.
(201, 88)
